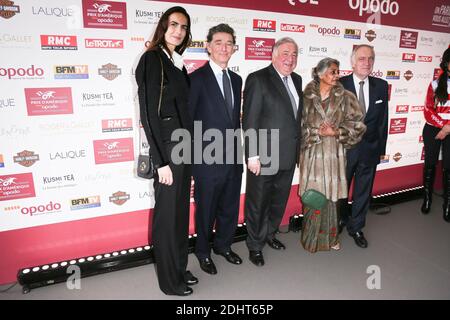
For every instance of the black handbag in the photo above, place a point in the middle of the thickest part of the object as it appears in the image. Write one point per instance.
(145, 167)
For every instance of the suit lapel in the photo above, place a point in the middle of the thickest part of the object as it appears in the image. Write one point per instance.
(236, 96)
(214, 89)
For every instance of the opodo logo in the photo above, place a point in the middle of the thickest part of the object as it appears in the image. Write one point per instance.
(104, 14)
(258, 48)
(354, 34)
(71, 72)
(408, 39)
(85, 203)
(424, 58)
(115, 125)
(371, 35)
(388, 7)
(119, 198)
(49, 208)
(393, 75)
(27, 73)
(48, 101)
(402, 109)
(377, 74)
(409, 57)
(26, 158)
(8, 9)
(55, 42)
(103, 43)
(292, 27)
(264, 25)
(327, 32)
(397, 125)
(408, 75)
(16, 186)
(192, 65)
(109, 71)
(113, 150)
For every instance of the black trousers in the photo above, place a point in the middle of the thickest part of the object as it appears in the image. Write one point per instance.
(265, 203)
(433, 147)
(363, 176)
(217, 201)
(170, 229)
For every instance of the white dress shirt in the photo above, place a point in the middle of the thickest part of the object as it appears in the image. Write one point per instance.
(176, 59)
(217, 70)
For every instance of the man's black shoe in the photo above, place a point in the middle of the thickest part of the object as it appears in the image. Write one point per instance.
(231, 256)
(275, 244)
(207, 265)
(359, 239)
(256, 257)
(189, 278)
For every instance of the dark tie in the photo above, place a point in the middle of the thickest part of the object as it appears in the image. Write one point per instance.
(291, 96)
(361, 97)
(227, 93)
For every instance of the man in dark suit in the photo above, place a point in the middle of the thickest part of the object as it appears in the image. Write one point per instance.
(215, 104)
(363, 159)
(272, 104)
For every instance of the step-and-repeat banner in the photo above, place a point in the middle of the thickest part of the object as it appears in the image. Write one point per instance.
(69, 133)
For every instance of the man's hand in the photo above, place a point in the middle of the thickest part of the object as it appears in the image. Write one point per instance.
(254, 166)
(445, 131)
(165, 175)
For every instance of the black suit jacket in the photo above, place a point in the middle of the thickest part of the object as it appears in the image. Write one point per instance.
(373, 143)
(267, 106)
(207, 104)
(173, 111)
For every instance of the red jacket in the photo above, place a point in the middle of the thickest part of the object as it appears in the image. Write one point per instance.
(436, 115)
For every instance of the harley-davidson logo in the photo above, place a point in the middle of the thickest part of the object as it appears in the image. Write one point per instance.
(371, 35)
(109, 71)
(26, 158)
(397, 156)
(408, 75)
(119, 198)
(8, 9)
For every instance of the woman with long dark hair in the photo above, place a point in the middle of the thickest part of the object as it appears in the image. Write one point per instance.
(163, 88)
(436, 133)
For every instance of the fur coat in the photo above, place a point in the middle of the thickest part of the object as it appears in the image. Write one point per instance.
(322, 159)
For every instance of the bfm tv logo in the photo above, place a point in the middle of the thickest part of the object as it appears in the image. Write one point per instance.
(55, 42)
(352, 34)
(393, 75)
(264, 25)
(85, 203)
(71, 72)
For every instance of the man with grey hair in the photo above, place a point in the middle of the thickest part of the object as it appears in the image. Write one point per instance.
(363, 159)
(272, 102)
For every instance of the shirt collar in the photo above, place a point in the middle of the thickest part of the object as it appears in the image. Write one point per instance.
(176, 59)
(358, 80)
(215, 67)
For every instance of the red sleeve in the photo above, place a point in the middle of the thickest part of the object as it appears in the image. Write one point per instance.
(429, 111)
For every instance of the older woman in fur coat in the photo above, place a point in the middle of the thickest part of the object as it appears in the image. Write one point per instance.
(332, 121)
